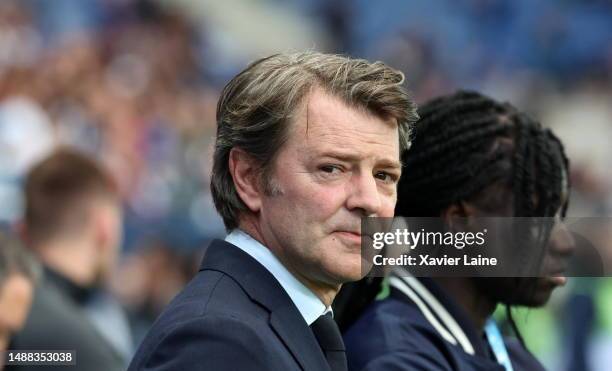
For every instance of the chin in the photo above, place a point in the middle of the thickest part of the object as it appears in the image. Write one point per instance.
(346, 269)
(537, 296)
(528, 292)
(541, 294)
(538, 299)
(344, 276)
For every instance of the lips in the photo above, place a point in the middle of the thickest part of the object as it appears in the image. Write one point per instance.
(352, 236)
(558, 280)
(555, 276)
(554, 266)
(358, 234)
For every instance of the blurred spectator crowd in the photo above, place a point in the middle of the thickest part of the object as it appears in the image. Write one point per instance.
(134, 84)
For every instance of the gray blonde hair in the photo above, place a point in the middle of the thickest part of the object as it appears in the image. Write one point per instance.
(257, 105)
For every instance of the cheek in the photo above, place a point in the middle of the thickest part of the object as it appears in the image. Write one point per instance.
(328, 199)
(315, 202)
(388, 209)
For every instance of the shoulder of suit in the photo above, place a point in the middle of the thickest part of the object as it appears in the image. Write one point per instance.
(226, 339)
(55, 321)
(210, 293)
(394, 329)
(394, 319)
(51, 311)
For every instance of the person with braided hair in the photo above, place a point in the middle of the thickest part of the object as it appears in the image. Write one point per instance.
(471, 156)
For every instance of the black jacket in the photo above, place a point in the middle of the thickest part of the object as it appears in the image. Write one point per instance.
(57, 322)
(233, 315)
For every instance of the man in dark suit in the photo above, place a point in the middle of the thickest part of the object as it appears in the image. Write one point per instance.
(307, 144)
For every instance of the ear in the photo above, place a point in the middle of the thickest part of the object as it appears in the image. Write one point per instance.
(459, 216)
(106, 226)
(101, 227)
(244, 171)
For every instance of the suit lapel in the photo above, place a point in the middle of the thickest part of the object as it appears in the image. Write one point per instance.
(285, 319)
(299, 339)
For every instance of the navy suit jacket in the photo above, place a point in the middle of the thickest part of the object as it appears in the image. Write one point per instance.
(233, 315)
(394, 334)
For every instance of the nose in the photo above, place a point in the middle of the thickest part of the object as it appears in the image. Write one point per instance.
(364, 195)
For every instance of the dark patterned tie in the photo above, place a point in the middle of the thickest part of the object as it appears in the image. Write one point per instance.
(328, 335)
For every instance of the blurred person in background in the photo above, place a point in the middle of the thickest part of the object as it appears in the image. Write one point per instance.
(149, 277)
(18, 275)
(72, 223)
(471, 157)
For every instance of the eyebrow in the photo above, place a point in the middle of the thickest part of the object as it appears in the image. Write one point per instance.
(343, 156)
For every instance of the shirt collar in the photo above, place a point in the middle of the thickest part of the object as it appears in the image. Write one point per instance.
(79, 294)
(309, 305)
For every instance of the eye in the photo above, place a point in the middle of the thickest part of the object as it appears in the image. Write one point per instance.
(330, 169)
(386, 177)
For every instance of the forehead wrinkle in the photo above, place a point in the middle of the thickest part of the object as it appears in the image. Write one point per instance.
(333, 137)
(332, 102)
(326, 131)
(337, 142)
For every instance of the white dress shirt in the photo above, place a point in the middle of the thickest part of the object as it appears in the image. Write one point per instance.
(309, 305)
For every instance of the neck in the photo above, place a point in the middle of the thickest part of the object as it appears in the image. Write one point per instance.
(73, 259)
(325, 292)
(467, 296)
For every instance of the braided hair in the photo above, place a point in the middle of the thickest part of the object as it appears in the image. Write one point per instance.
(456, 153)
(466, 142)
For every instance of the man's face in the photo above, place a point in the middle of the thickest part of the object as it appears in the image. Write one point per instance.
(15, 298)
(338, 165)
